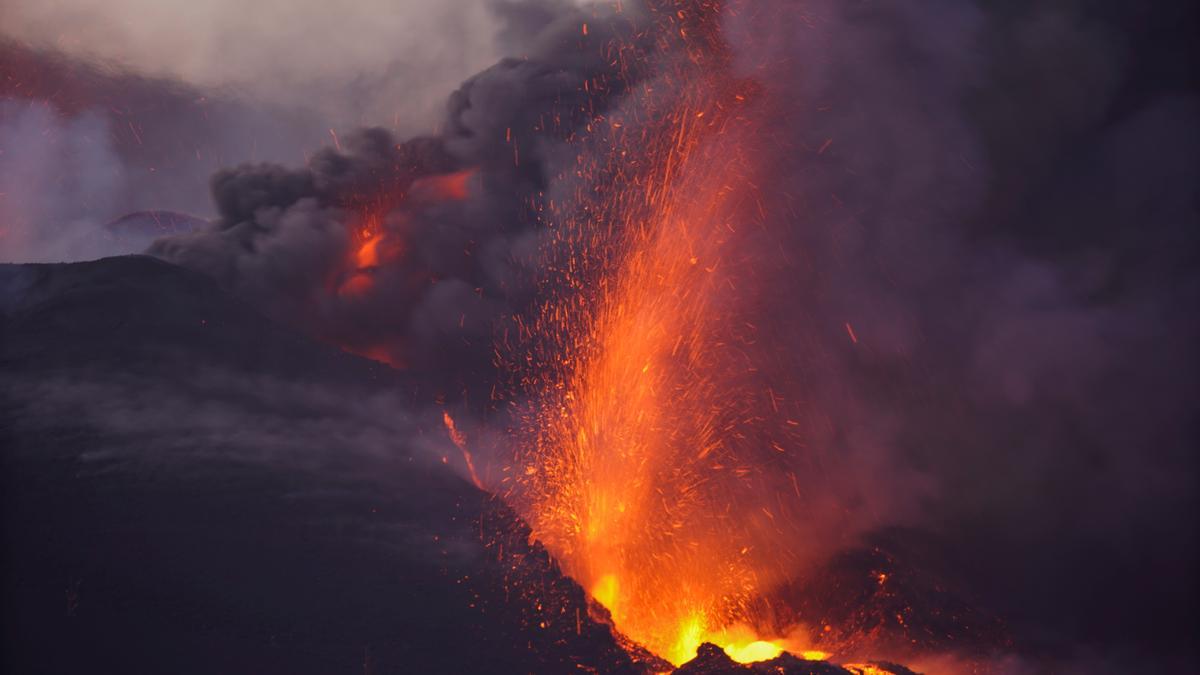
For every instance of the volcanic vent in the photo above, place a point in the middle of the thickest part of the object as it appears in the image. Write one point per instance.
(713, 327)
(604, 239)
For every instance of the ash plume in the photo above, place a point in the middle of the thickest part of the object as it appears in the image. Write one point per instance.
(977, 271)
(458, 263)
(988, 217)
(975, 276)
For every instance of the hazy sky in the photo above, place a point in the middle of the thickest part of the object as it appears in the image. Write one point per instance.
(361, 61)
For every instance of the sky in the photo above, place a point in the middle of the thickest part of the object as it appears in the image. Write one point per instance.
(352, 52)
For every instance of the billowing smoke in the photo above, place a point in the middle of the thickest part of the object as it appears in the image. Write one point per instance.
(413, 252)
(977, 272)
(113, 108)
(988, 223)
(84, 144)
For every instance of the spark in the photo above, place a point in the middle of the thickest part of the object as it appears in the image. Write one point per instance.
(643, 429)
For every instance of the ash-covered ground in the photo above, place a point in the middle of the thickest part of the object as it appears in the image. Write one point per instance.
(191, 488)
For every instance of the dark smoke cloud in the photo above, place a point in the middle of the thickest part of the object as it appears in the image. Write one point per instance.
(283, 236)
(1001, 202)
(980, 275)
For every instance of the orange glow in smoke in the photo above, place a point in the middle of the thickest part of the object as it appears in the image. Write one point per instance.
(375, 239)
(381, 354)
(357, 283)
(446, 187)
(375, 228)
(368, 252)
(367, 236)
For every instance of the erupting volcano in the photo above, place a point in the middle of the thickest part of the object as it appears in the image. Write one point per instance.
(711, 337)
(649, 462)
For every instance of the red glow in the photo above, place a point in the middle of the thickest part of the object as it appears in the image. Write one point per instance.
(368, 252)
(646, 467)
(376, 225)
(381, 354)
(446, 187)
(357, 284)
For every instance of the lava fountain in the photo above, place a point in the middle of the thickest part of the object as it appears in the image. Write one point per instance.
(650, 460)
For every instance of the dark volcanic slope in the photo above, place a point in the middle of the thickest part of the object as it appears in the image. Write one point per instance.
(189, 488)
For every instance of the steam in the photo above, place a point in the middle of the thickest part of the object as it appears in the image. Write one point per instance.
(85, 145)
(373, 62)
(56, 174)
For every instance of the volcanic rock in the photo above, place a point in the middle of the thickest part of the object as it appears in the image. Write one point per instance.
(190, 488)
(712, 660)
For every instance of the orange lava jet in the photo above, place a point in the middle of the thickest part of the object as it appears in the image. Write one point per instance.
(648, 463)
(460, 442)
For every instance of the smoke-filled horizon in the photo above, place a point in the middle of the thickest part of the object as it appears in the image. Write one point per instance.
(971, 279)
(117, 107)
(368, 62)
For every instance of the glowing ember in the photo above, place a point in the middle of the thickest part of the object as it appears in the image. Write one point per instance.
(644, 464)
(460, 441)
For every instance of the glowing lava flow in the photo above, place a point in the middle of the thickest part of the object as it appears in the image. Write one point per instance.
(644, 464)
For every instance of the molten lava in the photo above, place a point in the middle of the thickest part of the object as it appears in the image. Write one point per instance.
(460, 442)
(646, 463)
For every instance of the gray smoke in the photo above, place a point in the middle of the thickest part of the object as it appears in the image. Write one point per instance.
(460, 265)
(83, 144)
(56, 175)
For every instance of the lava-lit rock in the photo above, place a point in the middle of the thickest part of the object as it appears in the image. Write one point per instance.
(191, 488)
(712, 660)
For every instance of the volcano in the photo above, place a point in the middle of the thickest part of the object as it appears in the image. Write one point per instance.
(705, 336)
(145, 532)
